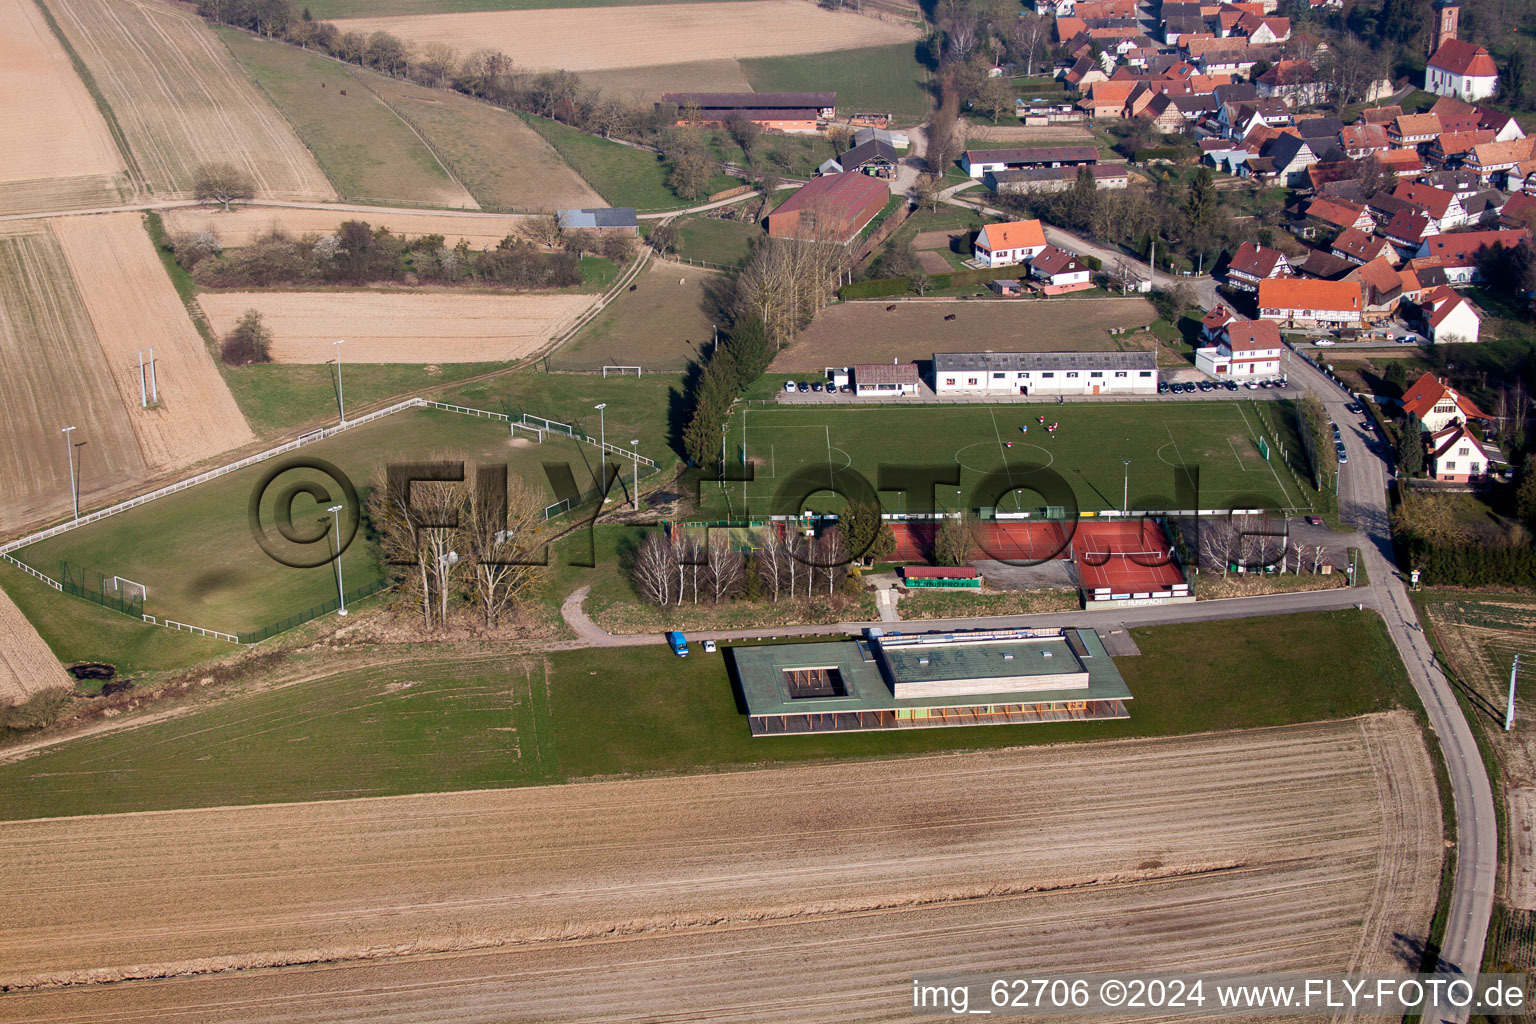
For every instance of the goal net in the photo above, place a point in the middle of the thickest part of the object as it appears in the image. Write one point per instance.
(537, 433)
(129, 590)
(621, 371)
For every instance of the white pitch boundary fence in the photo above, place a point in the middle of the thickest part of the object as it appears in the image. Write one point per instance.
(199, 630)
(24, 567)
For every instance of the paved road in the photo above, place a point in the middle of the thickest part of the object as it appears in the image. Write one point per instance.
(1363, 502)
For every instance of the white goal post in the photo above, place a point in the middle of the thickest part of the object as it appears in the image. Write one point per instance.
(127, 588)
(622, 370)
(536, 433)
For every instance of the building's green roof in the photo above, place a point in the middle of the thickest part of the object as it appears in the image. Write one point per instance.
(761, 672)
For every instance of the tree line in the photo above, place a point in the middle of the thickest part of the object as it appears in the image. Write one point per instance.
(540, 256)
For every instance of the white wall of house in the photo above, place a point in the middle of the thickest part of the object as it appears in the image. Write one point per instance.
(1464, 461)
(1046, 382)
(1219, 361)
(1065, 279)
(1006, 257)
(1461, 324)
(1342, 317)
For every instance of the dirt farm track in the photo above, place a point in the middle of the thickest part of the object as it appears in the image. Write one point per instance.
(792, 894)
(593, 38)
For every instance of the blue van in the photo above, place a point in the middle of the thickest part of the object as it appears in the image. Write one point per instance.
(678, 643)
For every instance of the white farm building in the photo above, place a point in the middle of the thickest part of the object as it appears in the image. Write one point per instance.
(1044, 373)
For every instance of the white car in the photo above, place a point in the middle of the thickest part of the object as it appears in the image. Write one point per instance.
(1324, 342)
(789, 385)
(709, 647)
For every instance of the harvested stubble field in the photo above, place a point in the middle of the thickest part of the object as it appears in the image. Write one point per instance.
(57, 150)
(26, 663)
(863, 332)
(1309, 847)
(367, 151)
(182, 102)
(646, 84)
(662, 324)
(587, 39)
(501, 161)
(134, 307)
(244, 224)
(401, 327)
(56, 376)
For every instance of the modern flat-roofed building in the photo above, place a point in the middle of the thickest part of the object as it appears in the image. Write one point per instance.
(929, 680)
(1044, 373)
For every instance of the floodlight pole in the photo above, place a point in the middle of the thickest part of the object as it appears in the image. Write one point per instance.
(143, 393)
(634, 446)
(341, 594)
(1125, 502)
(1509, 715)
(74, 484)
(154, 379)
(602, 425)
(341, 400)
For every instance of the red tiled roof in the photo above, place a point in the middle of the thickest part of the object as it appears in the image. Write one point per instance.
(1057, 261)
(1434, 200)
(1256, 260)
(1429, 389)
(1300, 293)
(1014, 234)
(1462, 246)
(838, 194)
(1459, 57)
(1251, 335)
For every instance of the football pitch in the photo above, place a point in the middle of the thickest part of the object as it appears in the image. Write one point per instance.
(1192, 454)
(197, 557)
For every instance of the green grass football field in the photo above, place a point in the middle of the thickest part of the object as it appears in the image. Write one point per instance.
(787, 444)
(195, 553)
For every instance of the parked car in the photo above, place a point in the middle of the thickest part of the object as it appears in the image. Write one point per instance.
(804, 387)
(1266, 384)
(709, 647)
(1250, 385)
(789, 385)
(816, 386)
(1282, 383)
(1162, 387)
(1325, 342)
(1314, 520)
(1203, 385)
(845, 390)
(1343, 457)
(1232, 385)
(1353, 407)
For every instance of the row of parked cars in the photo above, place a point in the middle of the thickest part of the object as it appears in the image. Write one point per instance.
(1338, 440)
(1190, 387)
(816, 386)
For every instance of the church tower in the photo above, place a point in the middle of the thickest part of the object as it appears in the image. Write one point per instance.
(1447, 17)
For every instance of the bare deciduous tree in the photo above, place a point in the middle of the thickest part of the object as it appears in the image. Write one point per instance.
(503, 541)
(223, 183)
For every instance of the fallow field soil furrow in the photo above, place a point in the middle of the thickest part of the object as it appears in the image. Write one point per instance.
(54, 145)
(134, 308)
(587, 39)
(773, 894)
(182, 101)
(26, 663)
(401, 327)
(56, 376)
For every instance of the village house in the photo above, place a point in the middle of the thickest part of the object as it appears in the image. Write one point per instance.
(1295, 302)
(1253, 263)
(1360, 248)
(1448, 317)
(1243, 349)
(1438, 405)
(1009, 243)
(1412, 130)
(1458, 252)
(1381, 289)
(1456, 455)
(977, 162)
(1060, 272)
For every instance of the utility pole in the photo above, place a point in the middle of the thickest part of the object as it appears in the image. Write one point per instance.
(341, 401)
(1125, 502)
(1509, 715)
(74, 485)
(154, 379)
(143, 392)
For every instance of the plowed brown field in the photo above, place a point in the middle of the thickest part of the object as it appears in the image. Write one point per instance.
(181, 99)
(134, 307)
(55, 376)
(245, 224)
(793, 894)
(26, 663)
(400, 327)
(51, 129)
(589, 38)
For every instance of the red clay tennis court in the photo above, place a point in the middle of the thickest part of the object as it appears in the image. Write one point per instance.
(1116, 560)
